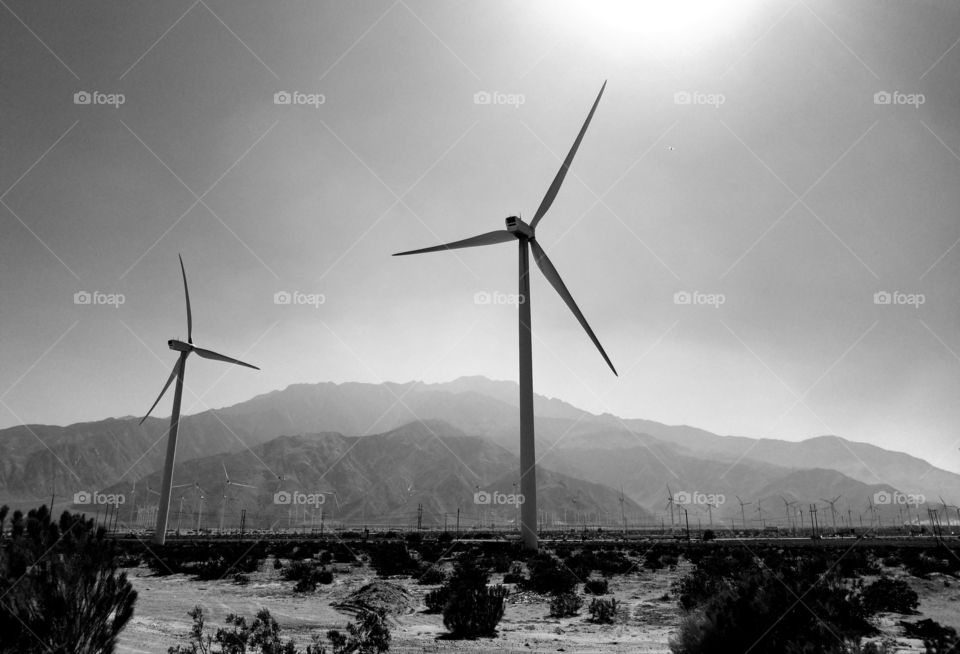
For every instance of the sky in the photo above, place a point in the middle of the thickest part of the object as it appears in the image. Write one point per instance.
(758, 180)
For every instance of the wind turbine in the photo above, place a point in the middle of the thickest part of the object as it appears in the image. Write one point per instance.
(179, 368)
(742, 514)
(786, 510)
(833, 511)
(670, 506)
(524, 234)
(226, 484)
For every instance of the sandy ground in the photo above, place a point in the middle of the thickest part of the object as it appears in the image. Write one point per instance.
(645, 620)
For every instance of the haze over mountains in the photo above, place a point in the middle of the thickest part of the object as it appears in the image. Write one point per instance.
(387, 448)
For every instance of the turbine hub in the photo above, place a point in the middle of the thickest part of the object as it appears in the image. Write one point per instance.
(517, 226)
(179, 346)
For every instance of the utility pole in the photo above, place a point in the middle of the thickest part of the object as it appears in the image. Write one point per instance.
(243, 521)
(458, 523)
(419, 517)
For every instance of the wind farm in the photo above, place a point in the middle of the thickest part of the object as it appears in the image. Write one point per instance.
(753, 203)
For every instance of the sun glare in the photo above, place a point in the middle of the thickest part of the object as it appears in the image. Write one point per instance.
(666, 26)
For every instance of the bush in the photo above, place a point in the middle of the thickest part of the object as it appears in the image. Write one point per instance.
(596, 587)
(565, 605)
(241, 579)
(472, 609)
(937, 639)
(432, 575)
(60, 580)
(392, 559)
(756, 609)
(308, 575)
(887, 594)
(263, 635)
(603, 611)
(436, 600)
(549, 575)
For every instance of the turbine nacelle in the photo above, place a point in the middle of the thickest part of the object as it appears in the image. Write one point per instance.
(179, 346)
(516, 225)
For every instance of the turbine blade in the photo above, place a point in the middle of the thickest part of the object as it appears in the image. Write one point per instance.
(558, 180)
(210, 354)
(225, 471)
(233, 483)
(546, 267)
(490, 238)
(186, 294)
(173, 375)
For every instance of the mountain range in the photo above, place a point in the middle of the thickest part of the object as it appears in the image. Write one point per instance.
(392, 451)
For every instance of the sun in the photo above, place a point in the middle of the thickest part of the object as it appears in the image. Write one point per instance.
(664, 26)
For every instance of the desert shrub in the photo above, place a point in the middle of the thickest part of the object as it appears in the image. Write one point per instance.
(514, 578)
(565, 605)
(445, 538)
(596, 587)
(669, 560)
(857, 563)
(326, 557)
(433, 574)
(371, 635)
(241, 579)
(708, 534)
(203, 561)
(391, 559)
(61, 580)
(277, 564)
(548, 575)
(756, 609)
(603, 611)
(472, 609)
(887, 594)
(308, 575)
(436, 600)
(921, 563)
(613, 562)
(937, 639)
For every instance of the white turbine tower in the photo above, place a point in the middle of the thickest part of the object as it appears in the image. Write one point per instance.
(524, 234)
(179, 368)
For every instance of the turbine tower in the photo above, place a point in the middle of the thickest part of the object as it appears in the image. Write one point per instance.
(743, 516)
(179, 368)
(524, 234)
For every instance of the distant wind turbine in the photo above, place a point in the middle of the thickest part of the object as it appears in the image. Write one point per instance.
(524, 233)
(160, 535)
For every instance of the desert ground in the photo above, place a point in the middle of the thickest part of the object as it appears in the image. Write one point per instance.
(648, 615)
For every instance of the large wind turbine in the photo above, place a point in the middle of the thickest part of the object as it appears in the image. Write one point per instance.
(160, 535)
(524, 234)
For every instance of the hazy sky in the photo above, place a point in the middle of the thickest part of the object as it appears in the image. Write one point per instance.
(738, 153)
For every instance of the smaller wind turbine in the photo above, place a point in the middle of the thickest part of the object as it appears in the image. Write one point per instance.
(160, 535)
(786, 510)
(227, 484)
(743, 515)
(670, 502)
(833, 510)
